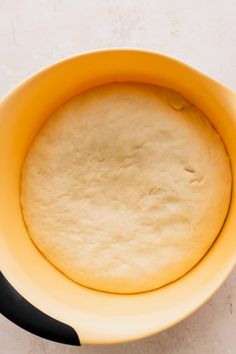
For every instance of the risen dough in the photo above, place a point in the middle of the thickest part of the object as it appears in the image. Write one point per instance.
(125, 187)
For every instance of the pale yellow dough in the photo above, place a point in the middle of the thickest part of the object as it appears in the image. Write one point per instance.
(125, 187)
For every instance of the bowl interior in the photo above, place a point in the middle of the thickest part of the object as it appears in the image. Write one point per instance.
(100, 317)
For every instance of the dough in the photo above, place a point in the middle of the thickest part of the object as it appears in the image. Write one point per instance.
(125, 187)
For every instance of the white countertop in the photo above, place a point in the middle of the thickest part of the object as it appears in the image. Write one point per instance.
(202, 33)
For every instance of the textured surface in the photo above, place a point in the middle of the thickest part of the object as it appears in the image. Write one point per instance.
(126, 187)
(34, 34)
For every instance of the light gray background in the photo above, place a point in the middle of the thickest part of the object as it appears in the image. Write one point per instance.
(34, 34)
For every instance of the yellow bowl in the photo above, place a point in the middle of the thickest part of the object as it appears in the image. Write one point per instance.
(99, 317)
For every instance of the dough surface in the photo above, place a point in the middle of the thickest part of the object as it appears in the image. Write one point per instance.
(125, 187)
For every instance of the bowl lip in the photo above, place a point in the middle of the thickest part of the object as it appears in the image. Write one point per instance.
(214, 287)
(134, 50)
